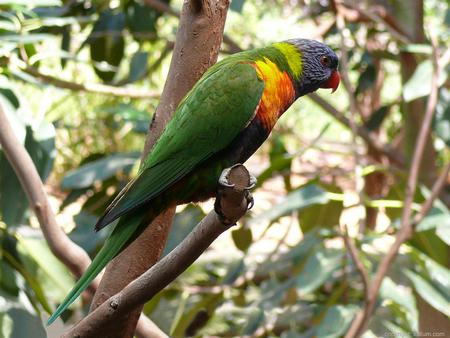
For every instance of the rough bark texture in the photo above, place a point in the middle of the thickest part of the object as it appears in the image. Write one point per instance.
(233, 201)
(409, 16)
(196, 49)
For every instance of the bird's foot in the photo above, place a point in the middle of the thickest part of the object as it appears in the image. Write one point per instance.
(226, 187)
(224, 178)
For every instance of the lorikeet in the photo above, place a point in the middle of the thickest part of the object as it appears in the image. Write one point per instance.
(222, 121)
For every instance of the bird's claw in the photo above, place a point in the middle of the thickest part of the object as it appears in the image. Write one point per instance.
(223, 179)
(252, 182)
(250, 200)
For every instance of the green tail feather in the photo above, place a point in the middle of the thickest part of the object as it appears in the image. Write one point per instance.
(120, 236)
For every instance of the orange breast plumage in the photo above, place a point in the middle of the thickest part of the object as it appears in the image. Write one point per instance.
(278, 95)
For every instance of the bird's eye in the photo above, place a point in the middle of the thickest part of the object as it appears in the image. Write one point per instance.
(325, 60)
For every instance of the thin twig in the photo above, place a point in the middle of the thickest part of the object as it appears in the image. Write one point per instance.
(86, 87)
(379, 14)
(354, 254)
(369, 137)
(354, 110)
(407, 225)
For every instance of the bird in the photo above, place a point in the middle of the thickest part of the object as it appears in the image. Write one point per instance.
(221, 121)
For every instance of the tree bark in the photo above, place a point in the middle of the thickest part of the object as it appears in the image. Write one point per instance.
(196, 48)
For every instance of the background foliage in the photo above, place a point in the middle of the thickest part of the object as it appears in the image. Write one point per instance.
(286, 271)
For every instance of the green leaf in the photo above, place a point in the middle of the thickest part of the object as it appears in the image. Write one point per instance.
(321, 215)
(235, 269)
(40, 145)
(396, 330)
(441, 120)
(9, 94)
(237, 5)
(52, 275)
(296, 255)
(429, 293)
(183, 224)
(99, 170)
(24, 39)
(142, 19)
(138, 66)
(17, 322)
(242, 238)
(401, 296)
(336, 321)
(366, 79)
(31, 3)
(255, 320)
(30, 279)
(84, 235)
(377, 118)
(417, 48)
(8, 278)
(318, 269)
(107, 44)
(296, 200)
(434, 220)
(419, 84)
(206, 305)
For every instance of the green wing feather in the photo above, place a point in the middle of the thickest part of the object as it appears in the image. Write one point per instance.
(218, 107)
(113, 245)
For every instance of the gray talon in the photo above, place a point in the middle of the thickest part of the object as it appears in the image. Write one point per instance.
(253, 182)
(250, 201)
(223, 180)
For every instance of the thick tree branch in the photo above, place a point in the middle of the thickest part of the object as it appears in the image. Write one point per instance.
(69, 253)
(163, 7)
(233, 202)
(196, 48)
(362, 318)
(73, 256)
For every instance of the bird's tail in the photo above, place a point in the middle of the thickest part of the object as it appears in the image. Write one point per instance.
(121, 235)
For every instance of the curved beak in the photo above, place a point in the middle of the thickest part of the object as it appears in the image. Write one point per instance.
(333, 81)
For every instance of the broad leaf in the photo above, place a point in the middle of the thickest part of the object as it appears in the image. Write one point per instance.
(99, 170)
(419, 84)
(296, 200)
(336, 321)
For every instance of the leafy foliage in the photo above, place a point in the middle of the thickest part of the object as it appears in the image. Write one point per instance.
(284, 271)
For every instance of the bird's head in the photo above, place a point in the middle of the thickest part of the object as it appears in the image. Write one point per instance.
(318, 66)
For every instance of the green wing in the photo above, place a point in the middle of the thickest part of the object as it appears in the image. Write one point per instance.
(212, 114)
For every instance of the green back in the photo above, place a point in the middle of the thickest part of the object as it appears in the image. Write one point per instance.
(212, 114)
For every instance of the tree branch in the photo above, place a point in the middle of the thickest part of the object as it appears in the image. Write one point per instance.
(68, 252)
(73, 256)
(361, 320)
(354, 254)
(196, 48)
(369, 137)
(234, 204)
(79, 87)
(163, 7)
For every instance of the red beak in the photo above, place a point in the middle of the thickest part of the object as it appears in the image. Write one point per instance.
(333, 81)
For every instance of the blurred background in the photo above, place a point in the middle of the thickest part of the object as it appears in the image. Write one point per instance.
(79, 82)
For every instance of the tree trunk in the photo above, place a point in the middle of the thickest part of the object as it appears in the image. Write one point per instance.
(196, 48)
(409, 16)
